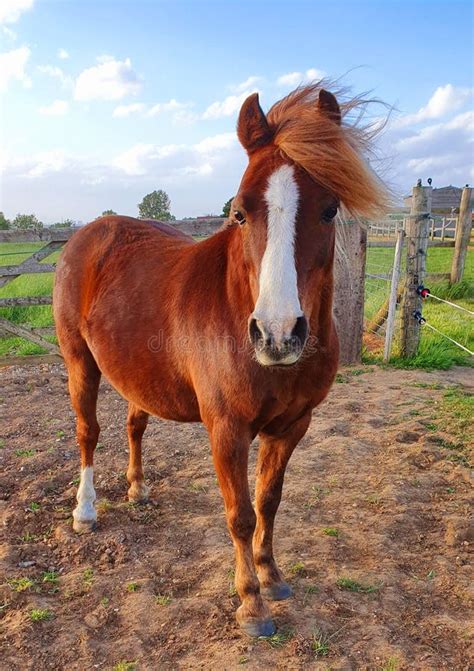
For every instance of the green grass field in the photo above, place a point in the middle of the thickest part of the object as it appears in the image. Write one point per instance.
(434, 351)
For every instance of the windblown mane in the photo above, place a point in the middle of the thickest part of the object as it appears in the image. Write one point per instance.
(335, 156)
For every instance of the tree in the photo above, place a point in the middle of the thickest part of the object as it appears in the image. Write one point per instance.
(4, 222)
(27, 222)
(226, 208)
(106, 212)
(156, 205)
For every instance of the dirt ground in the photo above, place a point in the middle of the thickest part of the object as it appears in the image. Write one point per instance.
(152, 588)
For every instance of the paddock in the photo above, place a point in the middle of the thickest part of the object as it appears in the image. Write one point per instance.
(372, 535)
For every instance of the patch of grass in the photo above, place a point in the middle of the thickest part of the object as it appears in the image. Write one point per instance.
(197, 487)
(28, 537)
(40, 614)
(390, 665)
(103, 505)
(320, 644)
(25, 453)
(426, 385)
(354, 586)
(51, 577)
(105, 601)
(2, 443)
(88, 577)
(133, 587)
(297, 568)
(21, 584)
(162, 599)
(34, 507)
(243, 660)
(315, 496)
(330, 531)
(373, 499)
(310, 589)
(278, 639)
(341, 379)
(60, 433)
(231, 577)
(125, 666)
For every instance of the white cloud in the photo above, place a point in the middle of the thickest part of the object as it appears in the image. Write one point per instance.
(180, 111)
(133, 161)
(122, 111)
(109, 80)
(57, 108)
(198, 177)
(11, 10)
(56, 72)
(62, 54)
(445, 99)
(296, 78)
(216, 143)
(170, 106)
(12, 67)
(177, 159)
(249, 83)
(226, 107)
(9, 33)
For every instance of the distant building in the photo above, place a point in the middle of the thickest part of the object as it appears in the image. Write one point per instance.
(445, 199)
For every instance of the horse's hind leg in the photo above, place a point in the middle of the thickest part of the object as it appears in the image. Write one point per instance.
(137, 421)
(274, 453)
(84, 378)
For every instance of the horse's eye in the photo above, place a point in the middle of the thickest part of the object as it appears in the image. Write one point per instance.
(239, 217)
(329, 214)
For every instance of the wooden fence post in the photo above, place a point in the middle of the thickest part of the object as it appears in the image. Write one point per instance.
(463, 233)
(392, 304)
(417, 233)
(349, 289)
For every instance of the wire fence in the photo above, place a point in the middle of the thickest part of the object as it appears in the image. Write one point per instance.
(382, 305)
(378, 284)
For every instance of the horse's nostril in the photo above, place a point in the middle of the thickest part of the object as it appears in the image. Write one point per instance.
(254, 332)
(300, 329)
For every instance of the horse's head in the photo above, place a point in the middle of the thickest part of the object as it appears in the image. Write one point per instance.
(301, 166)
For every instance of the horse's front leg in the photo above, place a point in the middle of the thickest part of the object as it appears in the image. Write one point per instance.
(273, 456)
(230, 446)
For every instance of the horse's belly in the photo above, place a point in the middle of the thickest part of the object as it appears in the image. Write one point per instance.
(147, 380)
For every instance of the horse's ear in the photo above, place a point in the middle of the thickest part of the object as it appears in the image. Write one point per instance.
(252, 127)
(328, 105)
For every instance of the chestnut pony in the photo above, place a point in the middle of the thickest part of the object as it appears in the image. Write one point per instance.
(235, 331)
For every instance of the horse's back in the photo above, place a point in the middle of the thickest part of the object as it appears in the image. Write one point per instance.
(112, 249)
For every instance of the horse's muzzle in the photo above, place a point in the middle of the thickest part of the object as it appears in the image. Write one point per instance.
(273, 348)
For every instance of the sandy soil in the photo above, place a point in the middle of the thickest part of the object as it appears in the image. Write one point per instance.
(368, 467)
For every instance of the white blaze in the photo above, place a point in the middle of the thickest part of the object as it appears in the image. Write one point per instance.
(278, 305)
(85, 511)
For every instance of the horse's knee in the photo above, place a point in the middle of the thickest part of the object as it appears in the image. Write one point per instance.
(136, 425)
(88, 433)
(242, 523)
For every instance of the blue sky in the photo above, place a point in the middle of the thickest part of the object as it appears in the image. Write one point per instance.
(105, 101)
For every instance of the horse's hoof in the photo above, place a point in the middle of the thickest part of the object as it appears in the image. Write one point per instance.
(258, 628)
(138, 493)
(277, 592)
(84, 527)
